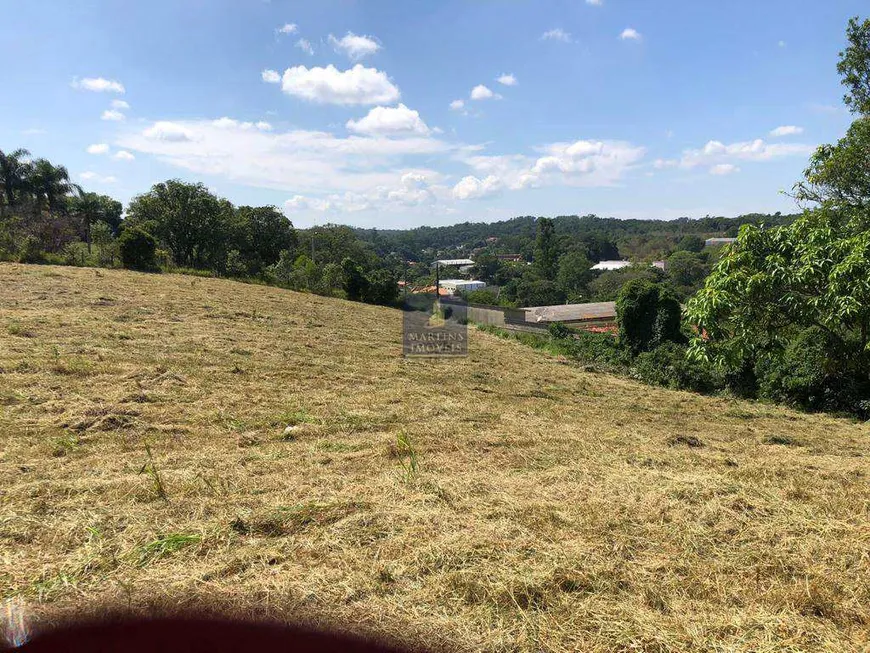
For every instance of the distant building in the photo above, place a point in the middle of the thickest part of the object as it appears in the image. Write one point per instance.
(718, 242)
(610, 265)
(454, 261)
(510, 258)
(583, 316)
(661, 265)
(453, 286)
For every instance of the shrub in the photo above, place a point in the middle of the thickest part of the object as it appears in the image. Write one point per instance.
(648, 315)
(558, 330)
(138, 250)
(600, 348)
(814, 373)
(668, 366)
(31, 251)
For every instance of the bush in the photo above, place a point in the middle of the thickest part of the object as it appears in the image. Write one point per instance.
(668, 366)
(600, 348)
(648, 315)
(813, 373)
(558, 330)
(31, 251)
(138, 250)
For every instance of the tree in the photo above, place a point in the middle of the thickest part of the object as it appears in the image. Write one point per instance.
(854, 66)
(486, 267)
(14, 171)
(686, 271)
(104, 239)
(546, 249)
(573, 274)
(91, 208)
(648, 315)
(263, 232)
(531, 291)
(195, 225)
(355, 281)
(691, 243)
(51, 184)
(138, 249)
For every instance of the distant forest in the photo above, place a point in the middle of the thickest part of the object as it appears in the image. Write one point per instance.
(634, 238)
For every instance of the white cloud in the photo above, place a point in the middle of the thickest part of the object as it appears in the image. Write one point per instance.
(507, 79)
(262, 125)
(271, 76)
(781, 44)
(456, 105)
(661, 164)
(354, 46)
(98, 148)
(581, 163)
(724, 169)
(388, 121)
(123, 155)
(413, 190)
(757, 150)
(300, 161)
(630, 34)
(305, 46)
(596, 3)
(481, 92)
(358, 85)
(98, 85)
(120, 104)
(112, 115)
(229, 123)
(288, 28)
(787, 130)
(97, 179)
(167, 131)
(472, 188)
(557, 34)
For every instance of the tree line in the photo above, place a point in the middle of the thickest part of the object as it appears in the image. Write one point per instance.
(179, 227)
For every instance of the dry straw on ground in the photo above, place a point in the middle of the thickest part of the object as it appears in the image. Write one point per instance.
(507, 501)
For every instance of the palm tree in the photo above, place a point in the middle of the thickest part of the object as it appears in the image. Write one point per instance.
(14, 171)
(51, 183)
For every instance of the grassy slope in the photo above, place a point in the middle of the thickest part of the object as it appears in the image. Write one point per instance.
(553, 509)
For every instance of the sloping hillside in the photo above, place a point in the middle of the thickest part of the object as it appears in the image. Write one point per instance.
(145, 462)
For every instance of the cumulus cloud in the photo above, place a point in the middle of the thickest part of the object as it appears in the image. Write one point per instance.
(301, 161)
(724, 169)
(98, 179)
(481, 92)
(120, 104)
(389, 121)
(123, 155)
(630, 34)
(456, 105)
(413, 190)
(288, 28)
(358, 85)
(262, 125)
(230, 123)
(472, 188)
(98, 85)
(167, 131)
(715, 152)
(305, 46)
(112, 115)
(580, 163)
(98, 148)
(787, 130)
(557, 34)
(354, 46)
(507, 79)
(271, 76)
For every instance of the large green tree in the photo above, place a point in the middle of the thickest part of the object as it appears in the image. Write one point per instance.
(188, 220)
(773, 285)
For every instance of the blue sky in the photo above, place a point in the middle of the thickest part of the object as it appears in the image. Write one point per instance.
(393, 114)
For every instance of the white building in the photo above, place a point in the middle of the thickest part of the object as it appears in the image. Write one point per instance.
(610, 265)
(454, 286)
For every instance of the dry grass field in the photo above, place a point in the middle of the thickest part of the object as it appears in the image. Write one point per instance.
(506, 502)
